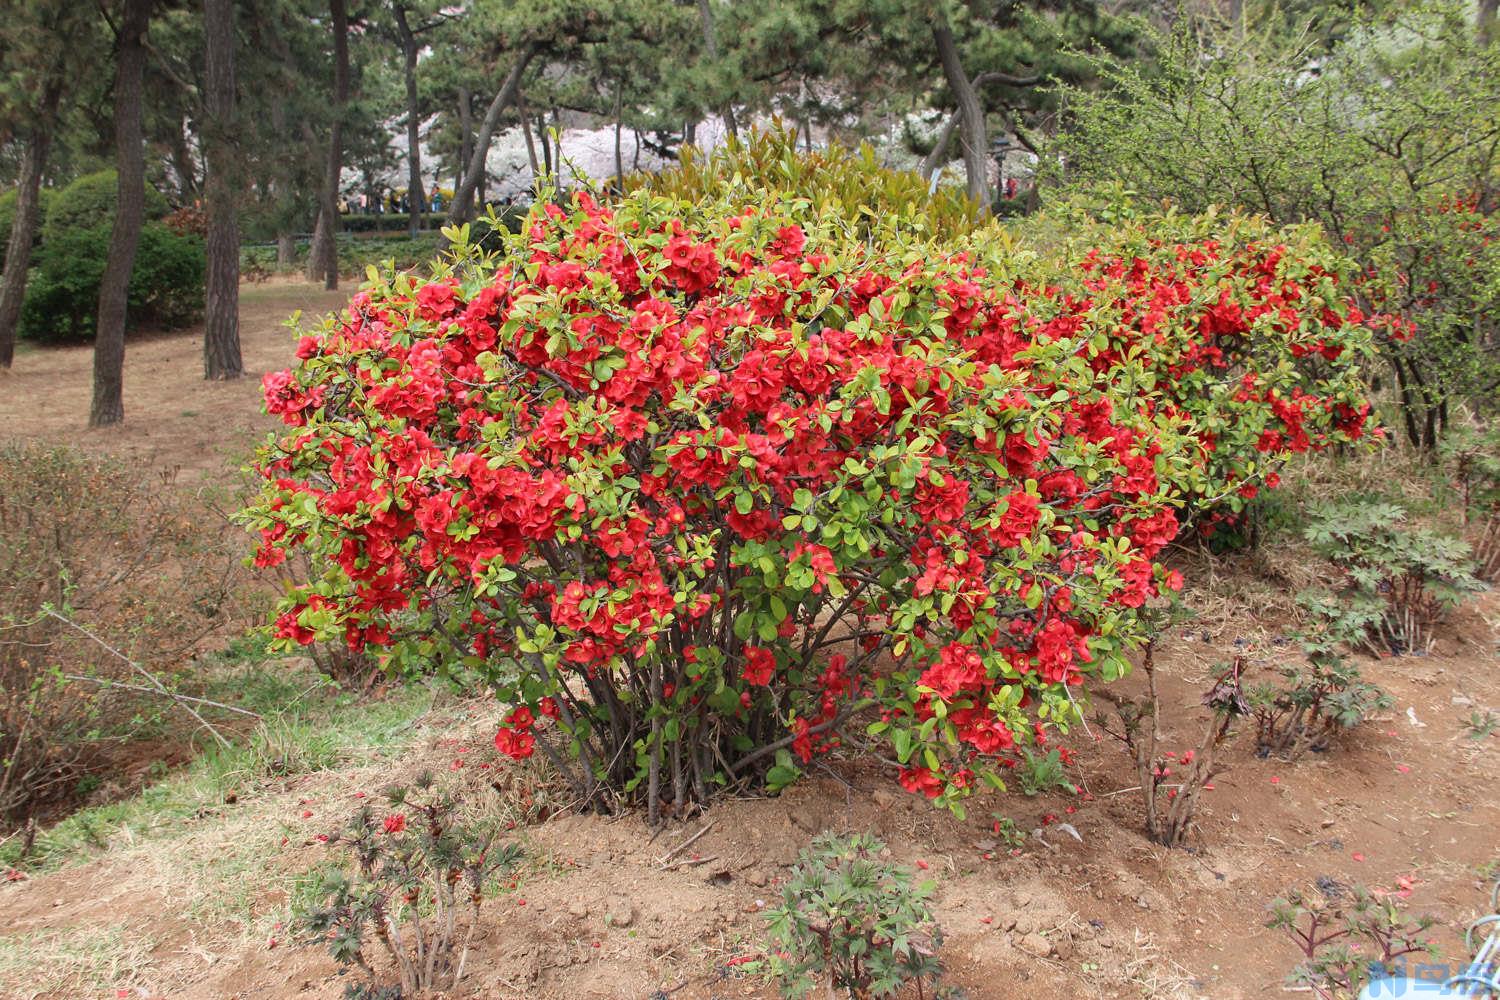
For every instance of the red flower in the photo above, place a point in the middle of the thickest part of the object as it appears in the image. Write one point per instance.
(395, 823)
(760, 665)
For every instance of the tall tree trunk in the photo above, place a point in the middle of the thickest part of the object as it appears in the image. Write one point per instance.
(939, 154)
(974, 142)
(1487, 20)
(525, 117)
(182, 163)
(711, 46)
(466, 134)
(619, 155)
(221, 337)
(108, 405)
(462, 209)
(23, 227)
(326, 254)
(417, 196)
(317, 249)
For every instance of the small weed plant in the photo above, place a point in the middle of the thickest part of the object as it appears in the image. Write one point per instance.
(850, 921)
(413, 879)
(1347, 937)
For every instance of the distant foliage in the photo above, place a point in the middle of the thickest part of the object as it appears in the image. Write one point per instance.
(850, 920)
(836, 181)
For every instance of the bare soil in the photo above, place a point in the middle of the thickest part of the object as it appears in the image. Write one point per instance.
(1410, 796)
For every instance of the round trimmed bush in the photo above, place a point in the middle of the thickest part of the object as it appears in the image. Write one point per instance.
(89, 203)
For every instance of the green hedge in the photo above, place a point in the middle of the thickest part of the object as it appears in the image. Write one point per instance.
(62, 294)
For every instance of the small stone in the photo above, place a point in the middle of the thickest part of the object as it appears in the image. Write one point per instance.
(619, 912)
(883, 799)
(578, 908)
(758, 877)
(1036, 944)
(1023, 924)
(1143, 902)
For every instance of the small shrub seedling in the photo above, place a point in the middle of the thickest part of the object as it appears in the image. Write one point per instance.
(850, 921)
(414, 879)
(1346, 937)
(1317, 700)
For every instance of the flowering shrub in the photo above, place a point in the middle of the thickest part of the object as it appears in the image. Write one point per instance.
(676, 480)
(1243, 328)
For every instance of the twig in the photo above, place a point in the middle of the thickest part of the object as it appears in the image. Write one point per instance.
(161, 688)
(689, 862)
(686, 843)
(106, 682)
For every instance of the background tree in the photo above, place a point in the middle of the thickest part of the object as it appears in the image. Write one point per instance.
(108, 406)
(36, 70)
(221, 337)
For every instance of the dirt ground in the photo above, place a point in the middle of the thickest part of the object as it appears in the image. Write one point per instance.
(1409, 799)
(174, 419)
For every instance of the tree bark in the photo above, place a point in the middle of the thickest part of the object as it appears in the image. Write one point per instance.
(974, 142)
(466, 134)
(323, 259)
(619, 155)
(1487, 19)
(939, 154)
(24, 226)
(711, 46)
(108, 405)
(525, 117)
(221, 338)
(317, 249)
(462, 209)
(416, 192)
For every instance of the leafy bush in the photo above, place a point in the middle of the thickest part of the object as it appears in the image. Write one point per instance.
(62, 295)
(853, 922)
(89, 540)
(1347, 937)
(88, 204)
(413, 879)
(1399, 579)
(8, 199)
(1318, 700)
(708, 466)
(847, 184)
